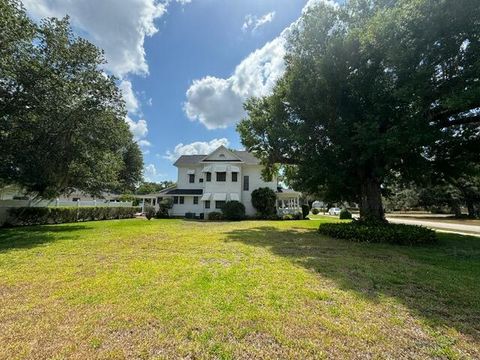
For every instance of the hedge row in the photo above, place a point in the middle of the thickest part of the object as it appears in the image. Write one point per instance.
(57, 215)
(388, 233)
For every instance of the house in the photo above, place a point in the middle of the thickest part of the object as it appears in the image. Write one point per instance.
(206, 182)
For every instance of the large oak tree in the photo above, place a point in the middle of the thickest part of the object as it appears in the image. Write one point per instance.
(61, 117)
(371, 89)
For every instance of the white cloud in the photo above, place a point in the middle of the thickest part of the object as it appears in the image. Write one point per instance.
(218, 103)
(151, 174)
(118, 28)
(253, 23)
(195, 148)
(139, 128)
(131, 101)
(144, 143)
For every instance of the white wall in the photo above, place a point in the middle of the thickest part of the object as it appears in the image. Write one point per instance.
(255, 174)
(253, 171)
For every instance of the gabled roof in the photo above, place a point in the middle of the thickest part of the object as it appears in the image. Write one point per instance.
(190, 160)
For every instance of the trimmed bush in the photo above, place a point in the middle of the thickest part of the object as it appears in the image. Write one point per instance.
(215, 216)
(305, 210)
(399, 234)
(315, 211)
(345, 215)
(263, 200)
(149, 212)
(24, 216)
(233, 210)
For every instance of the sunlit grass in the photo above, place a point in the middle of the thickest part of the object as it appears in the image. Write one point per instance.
(256, 289)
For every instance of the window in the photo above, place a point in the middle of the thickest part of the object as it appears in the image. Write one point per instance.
(221, 176)
(191, 178)
(195, 200)
(234, 177)
(219, 204)
(246, 183)
(182, 200)
(209, 176)
(175, 199)
(207, 204)
(201, 180)
(76, 199)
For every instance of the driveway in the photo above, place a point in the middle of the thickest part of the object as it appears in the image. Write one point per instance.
(443, 226)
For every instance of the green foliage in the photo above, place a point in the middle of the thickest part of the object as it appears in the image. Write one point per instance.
(57, 215)
(149, 212)
(164, 206)
(151, 187)
(233, 210)
(315, 211)
(399, 234)
(372, 89)
(263, 200)
(296, 216)
(305, 210)
(62, 120)
(345, 215)
(215, 216)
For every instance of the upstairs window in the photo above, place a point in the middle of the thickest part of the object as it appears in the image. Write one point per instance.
(221, 176)
(246, 183)
(234, 177)
(191, 178)
(209, 176)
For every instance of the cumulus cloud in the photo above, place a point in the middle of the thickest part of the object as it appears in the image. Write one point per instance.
(195, 148)
(151, 174)
(119, 29)
(218, 102)
(138, 128)
(253, 23)
(131, 101)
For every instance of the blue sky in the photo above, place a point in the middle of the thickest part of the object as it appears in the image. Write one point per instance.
(185, 66)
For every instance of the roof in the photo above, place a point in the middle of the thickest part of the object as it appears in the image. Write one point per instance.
(185, 192)
(247, 157)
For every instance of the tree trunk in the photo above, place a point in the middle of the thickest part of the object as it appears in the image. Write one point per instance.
(371, 206)
(472, 211)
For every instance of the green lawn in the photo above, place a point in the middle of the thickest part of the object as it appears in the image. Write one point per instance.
(173, 288)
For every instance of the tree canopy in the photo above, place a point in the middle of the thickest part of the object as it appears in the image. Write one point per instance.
(61, 116)
(373, 89)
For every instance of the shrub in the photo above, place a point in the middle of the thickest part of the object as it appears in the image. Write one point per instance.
(287, 217)
(263, 200)
(379, 233)
(163, 207)
(233, 210)
(305, 210)
(59, 215)
(315, 211)
(215, 215)
(345, 215)
(149, 212)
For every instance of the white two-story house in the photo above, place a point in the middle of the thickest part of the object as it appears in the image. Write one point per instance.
(206, 182)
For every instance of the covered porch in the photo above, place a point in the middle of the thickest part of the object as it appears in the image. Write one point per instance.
(288, 202)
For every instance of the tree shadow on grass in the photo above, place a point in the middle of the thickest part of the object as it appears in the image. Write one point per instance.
(32, 236)
(439, 283)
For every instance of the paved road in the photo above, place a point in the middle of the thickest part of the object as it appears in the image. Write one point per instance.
(450, 227)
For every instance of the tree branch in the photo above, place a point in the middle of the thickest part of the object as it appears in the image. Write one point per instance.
(460, 121)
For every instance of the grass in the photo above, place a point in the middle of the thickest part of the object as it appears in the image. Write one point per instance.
(254, 289)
